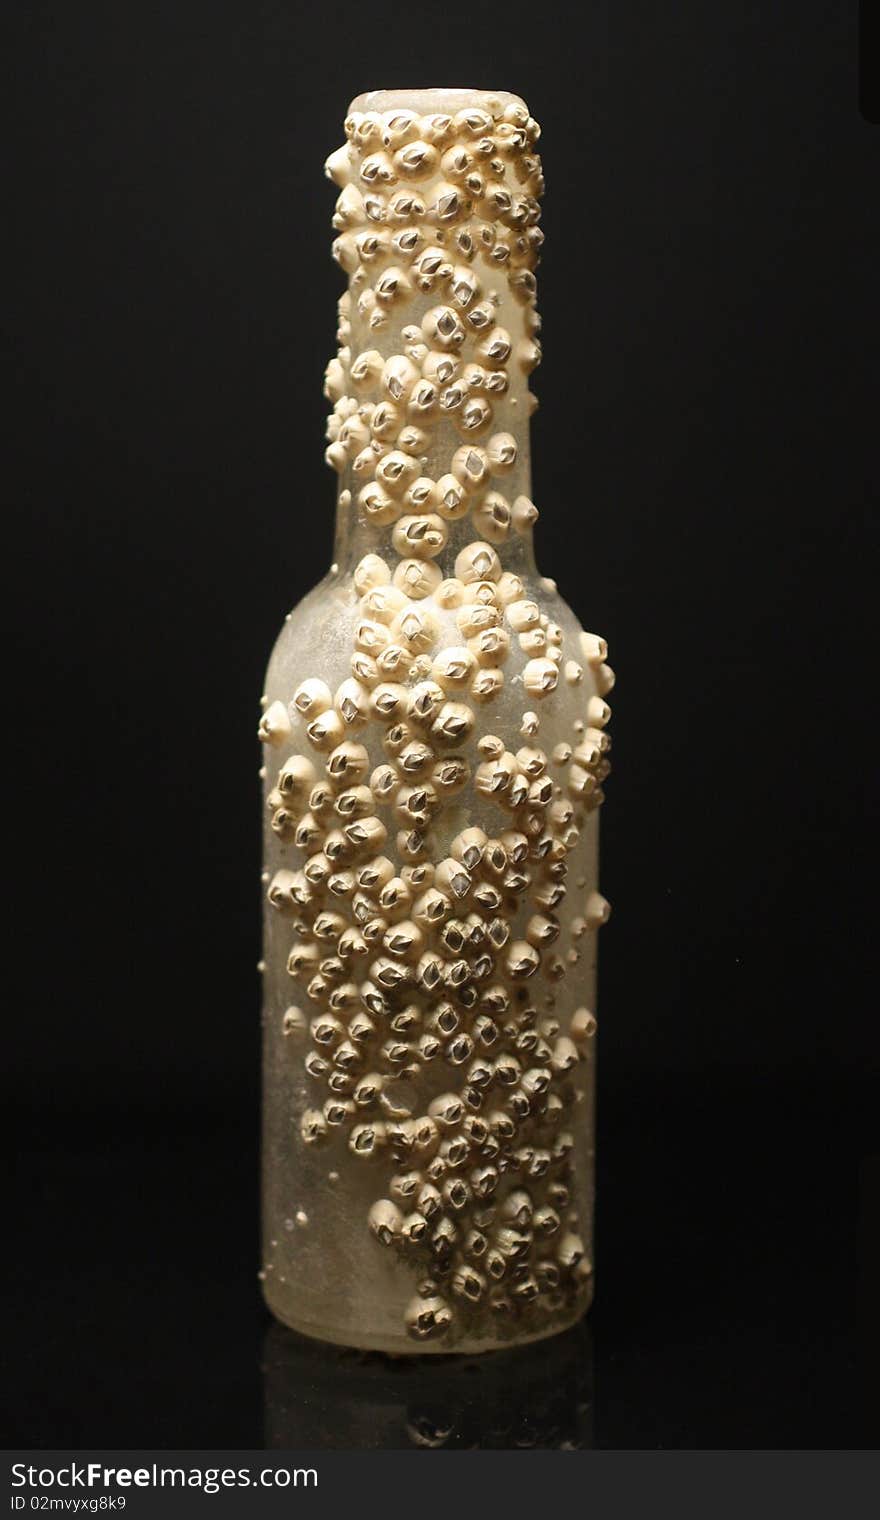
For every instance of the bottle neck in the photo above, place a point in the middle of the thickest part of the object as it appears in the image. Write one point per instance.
(437, 231)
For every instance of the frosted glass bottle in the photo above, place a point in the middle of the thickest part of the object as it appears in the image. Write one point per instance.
(434, 737)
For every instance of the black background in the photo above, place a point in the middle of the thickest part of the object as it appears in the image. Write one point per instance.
(705, 458)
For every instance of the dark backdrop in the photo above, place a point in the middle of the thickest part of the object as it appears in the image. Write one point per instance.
(711, 329)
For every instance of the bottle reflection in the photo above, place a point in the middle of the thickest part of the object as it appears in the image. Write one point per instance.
(319, 1397)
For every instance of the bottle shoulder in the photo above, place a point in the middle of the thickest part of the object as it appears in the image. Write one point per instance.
(314, 630)
(321, 632)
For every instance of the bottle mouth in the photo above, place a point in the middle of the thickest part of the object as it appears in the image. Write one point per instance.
(435, 99)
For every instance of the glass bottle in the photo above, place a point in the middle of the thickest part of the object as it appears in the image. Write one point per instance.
(434, 736)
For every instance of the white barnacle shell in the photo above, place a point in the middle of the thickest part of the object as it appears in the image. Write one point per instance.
(477, 562)
(284, 891)
(451, 497)
(349, 208)
(404, 206)
(475, 417)
(366, 834)
(522, 960)
(366, 369)
(295, 779)
(523, 614)
(338, 165)
(430, 267)
(447, 203)
(483, 594)
(583, 1026)
(456, 162)
(417, 160)
(417, 578)
(371, 571)
(428, 1318)
(473, 617)
(385, 421)
(597, 910)
(570, 1251)
(580, 782)
(437, 128)
(325, 730)
(311, 698)
(604, 678)
(348, 763)
(352, 704)
(313, 1126)
(528, 355)
(525, 514)
(486, 684)
(441, 367)
(392, 285)
(274, 725)
(334, 381)
(421, 495)
(376, 505)
(452, 397)
(406, 243)
(593, 648)
(491, 517)
(449, 594)
(453, 666)
(565, 1055)
(540, 677)
(377, 169)
(336, 456)
(389, 701)
(383, 603)
(385, 1220)
(502, 452)
(396, 471)
(293, 1023)
(598, 712)
(453, 878)
(354, 802)
(370, 636)
(509, 588)
(490, 646)
(464, 286)
(474, 122)
(398, 127)
(494, 347)
(497, 382)
(443, 328)
(424, 399)
(451, 774)
(533, 641)
(371, 244)
(446, 1110)
(415, 628)
(414, 1228)
(399, 375)
(454, 723)
(470, 466)
(481, 317)
(421, 536)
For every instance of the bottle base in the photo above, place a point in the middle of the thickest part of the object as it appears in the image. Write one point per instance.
(357, 1339)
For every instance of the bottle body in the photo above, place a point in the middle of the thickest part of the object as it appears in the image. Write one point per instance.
(434, 732)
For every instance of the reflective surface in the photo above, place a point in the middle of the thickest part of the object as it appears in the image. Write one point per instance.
(538, 1396)
(736, 1304)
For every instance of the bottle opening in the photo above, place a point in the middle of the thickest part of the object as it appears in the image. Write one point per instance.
(435, 98)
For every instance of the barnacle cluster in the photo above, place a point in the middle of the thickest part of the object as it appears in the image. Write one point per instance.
(427, 947)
